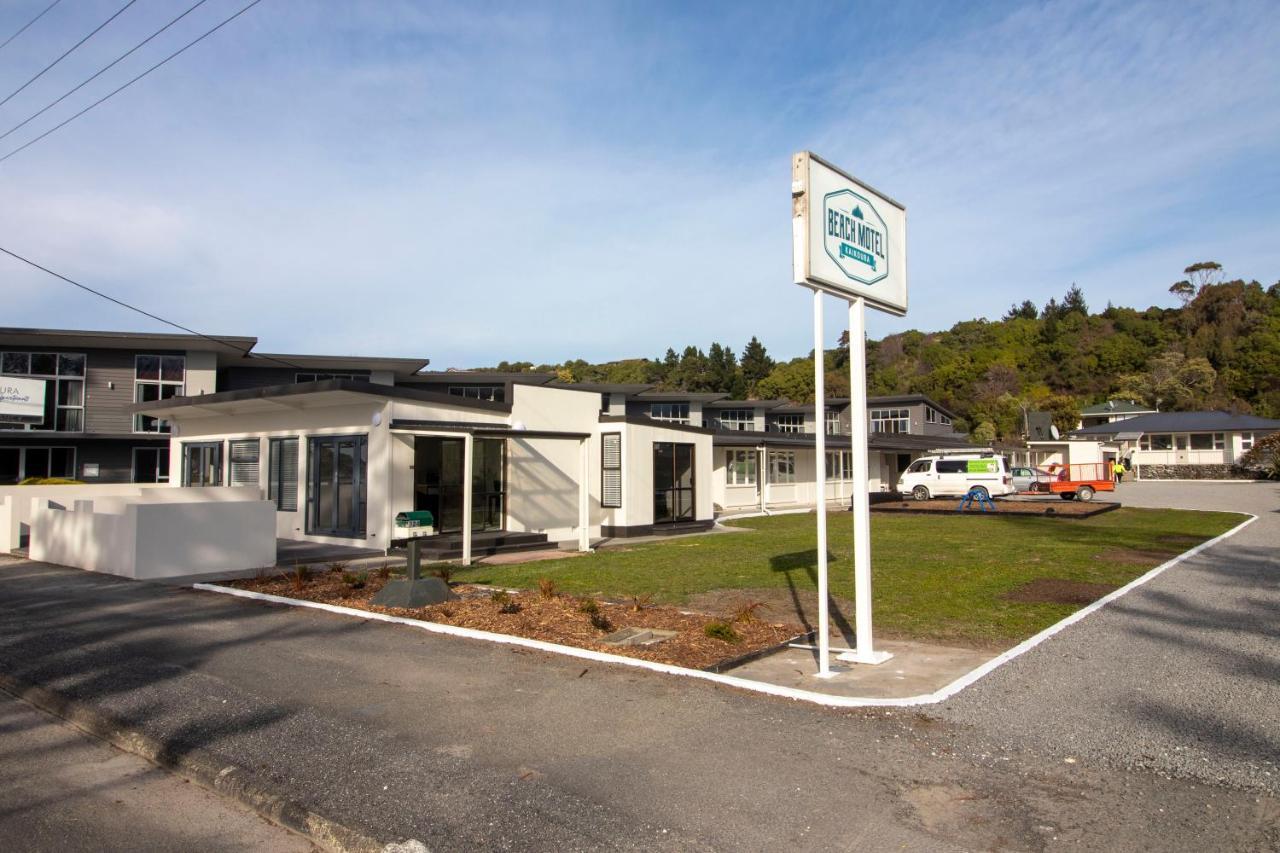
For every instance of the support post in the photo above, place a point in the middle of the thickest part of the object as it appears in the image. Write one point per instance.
(584, 498)
(468, 462)
(762, 467)
(863, 651)
(820, 482)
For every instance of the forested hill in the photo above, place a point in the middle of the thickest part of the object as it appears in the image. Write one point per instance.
(1220, 349)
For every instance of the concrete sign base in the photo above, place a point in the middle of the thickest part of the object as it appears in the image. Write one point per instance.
(413, 593)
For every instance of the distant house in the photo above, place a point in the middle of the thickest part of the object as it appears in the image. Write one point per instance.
(1165, 445)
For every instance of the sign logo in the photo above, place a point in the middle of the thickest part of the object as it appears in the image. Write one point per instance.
(855, 236)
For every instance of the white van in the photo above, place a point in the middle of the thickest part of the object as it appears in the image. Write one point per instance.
(955, 474)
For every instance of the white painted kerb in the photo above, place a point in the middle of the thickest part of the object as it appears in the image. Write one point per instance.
(733, 681)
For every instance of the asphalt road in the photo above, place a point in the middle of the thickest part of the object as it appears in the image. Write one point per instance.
(466, 745)
(61, 790)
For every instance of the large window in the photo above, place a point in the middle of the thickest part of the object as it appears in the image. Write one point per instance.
(156, 377)
(737, 420)
(64, 387)
(1246, 440)
(19, 463)
(1208, 441)
(1156, 442)
(782, 466)
(891, 420)
(243, 459)
(673, 482)
(282, 474)
(492, 393)
(833, 422)
(321, 377)
(839, 465)
(676, 412)
(933, 416)
(611, 470)
(202, 463)
(151, 465)
(788, 423)
(740, 468)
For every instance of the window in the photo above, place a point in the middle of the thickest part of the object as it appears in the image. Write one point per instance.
(782, 466)
(839, 465)
(611, 470)
(151, 465)
(953, 466)
(202, 463)
(492, 393)
(1157, 442)
(920, 466)
(930, 416)
(243, 456)
(737, 420)
(675, 412)
(64, 387)
(890, 420)
(156, 377)
(833, 422)
(282, 474)
(323, 377)
(1180, 441)
(740, 468)
(19, 463)
(1246, 440)
(789, 423)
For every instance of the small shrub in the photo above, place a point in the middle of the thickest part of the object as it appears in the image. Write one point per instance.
(547, 588)
(444, 571)
(640, 602)
(300, 575)
(355, 580)
(746, 613)
(721, 630)
(509, 607)
(600, 622)
(339, 567)
(500, 596)
(588, 606)
(385, 571)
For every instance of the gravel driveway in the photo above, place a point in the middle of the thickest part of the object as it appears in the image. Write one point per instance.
(1181, 676)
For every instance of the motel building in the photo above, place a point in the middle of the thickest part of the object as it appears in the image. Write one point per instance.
(336, 447)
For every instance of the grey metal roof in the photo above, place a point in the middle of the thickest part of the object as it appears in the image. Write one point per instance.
(1116, 407)
(98, 339)
(327, 386)
(1181, 422)
(746, 404)
(403, 367)
(680, 396)
(462, 377)
(605, 387)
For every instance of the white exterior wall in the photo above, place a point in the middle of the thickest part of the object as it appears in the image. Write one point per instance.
(637, 472)
(16, 503)
(202, 373)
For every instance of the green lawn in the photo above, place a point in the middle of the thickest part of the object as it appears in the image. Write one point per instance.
(934, 577)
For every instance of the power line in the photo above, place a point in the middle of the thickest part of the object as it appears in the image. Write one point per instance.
(156, 317)
(115, 92)
(67, 53)
(100, 72)
(28, 24)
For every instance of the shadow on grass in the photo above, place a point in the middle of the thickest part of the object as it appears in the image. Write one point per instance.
(805, 602)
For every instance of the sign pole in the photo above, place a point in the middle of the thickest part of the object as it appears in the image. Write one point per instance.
(820, 483)
(863, 651)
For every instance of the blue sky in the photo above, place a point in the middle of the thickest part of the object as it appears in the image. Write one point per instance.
(551, 181)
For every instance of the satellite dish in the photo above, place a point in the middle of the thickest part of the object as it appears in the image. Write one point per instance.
(1053, 431)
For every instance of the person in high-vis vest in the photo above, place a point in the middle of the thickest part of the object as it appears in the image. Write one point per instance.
(1117, 471)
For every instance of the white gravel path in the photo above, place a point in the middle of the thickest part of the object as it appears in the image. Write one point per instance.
(1181, 676)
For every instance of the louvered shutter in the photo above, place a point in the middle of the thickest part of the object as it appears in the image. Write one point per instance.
(611, 470)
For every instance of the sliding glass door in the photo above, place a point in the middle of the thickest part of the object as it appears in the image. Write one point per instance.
(337, 493)
(438, 477)
(673, 485)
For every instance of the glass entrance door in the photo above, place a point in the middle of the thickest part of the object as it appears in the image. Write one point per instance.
(336, 498)
(437, 482)
(673, 483)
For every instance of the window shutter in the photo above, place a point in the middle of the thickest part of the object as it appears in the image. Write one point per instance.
(244, 462)
(611, 470)
(282, 485)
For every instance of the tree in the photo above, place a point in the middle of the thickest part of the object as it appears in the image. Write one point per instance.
(1172, 381)
(1026, 311)
(1203, 274)
(1265, 454)
(755, 363)
(983, 433)
(1184, 290)
(1073, 302)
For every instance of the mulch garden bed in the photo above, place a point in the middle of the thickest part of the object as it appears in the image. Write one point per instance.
(1046, 507)
(558, 619)
(1056, 591)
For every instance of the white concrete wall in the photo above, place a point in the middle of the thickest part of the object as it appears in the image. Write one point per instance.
(176, 535)
(202, 373)
(16, 503)
(637, 472)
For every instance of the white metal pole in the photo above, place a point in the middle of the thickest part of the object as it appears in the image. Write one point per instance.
(468, 460)
(861, 498)
(820, 481)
